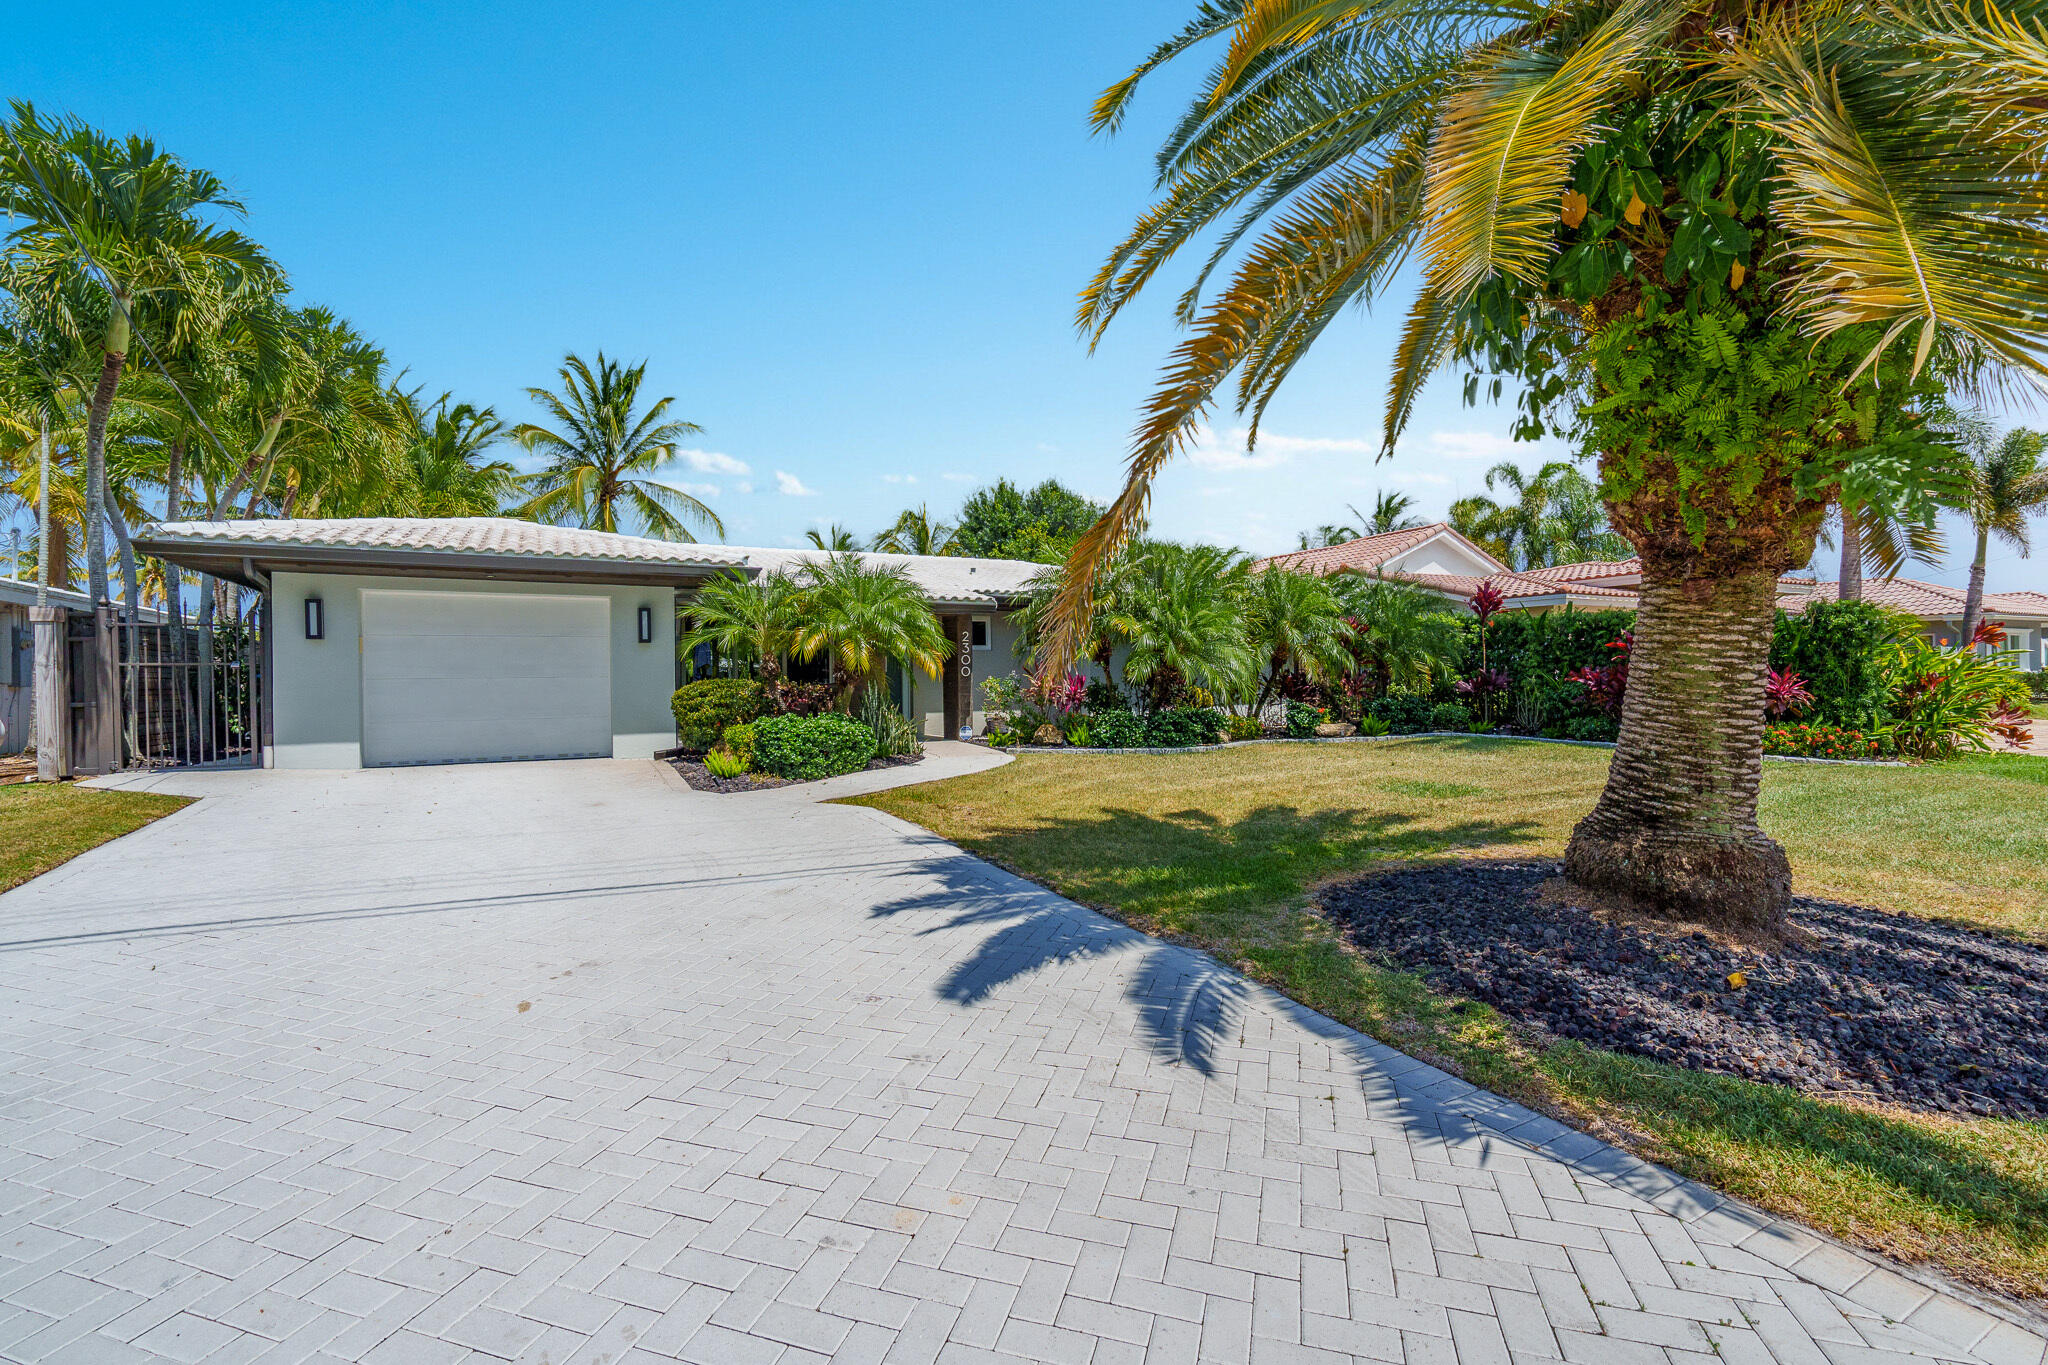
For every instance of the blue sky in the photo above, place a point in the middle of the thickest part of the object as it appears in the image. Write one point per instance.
(847, 238)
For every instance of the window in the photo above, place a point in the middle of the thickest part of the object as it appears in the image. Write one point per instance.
(980, 632)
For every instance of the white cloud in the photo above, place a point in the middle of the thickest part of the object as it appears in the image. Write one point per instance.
(697, 490)
(790, 486)
(713, 462)
(1472, 445)
(1211, 450)
(899, 478)
(743, 487)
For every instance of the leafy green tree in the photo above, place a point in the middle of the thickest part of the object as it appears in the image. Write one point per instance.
(1726, 251)
(1401, 634)
(751, 622)
(112, 235)
(1552, 517)
(603, 453)
(2008, 483)
(1295, 621)
(916, 532)
(1180, 615)
(1042, 525)
(862, 615)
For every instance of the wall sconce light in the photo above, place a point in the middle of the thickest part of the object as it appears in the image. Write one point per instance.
(316, 620)
(647, 625)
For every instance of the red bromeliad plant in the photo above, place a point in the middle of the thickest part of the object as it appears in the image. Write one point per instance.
(1607, 685)
(1786, 693)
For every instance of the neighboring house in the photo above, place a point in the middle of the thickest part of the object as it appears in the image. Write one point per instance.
(397, 641)
(17, 656)
(1438, 558)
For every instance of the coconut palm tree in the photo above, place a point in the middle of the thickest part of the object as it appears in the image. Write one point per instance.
(603, 452)
(750, 622)
(445, 472)
(1295, 623)
(835, 538)
(916, 532)
(2008, 484)
(113, 235)
(1726, 250)
(1401, 634)
(1179, 616)
(862, 615)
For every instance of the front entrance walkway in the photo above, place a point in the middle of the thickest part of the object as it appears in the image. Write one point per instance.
(560, 1062)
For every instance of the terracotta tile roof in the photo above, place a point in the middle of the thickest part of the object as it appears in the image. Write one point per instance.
(1367, 552)
(1590, 570)
(1929, 601)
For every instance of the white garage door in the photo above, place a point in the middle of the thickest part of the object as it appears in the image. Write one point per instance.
(467, 677)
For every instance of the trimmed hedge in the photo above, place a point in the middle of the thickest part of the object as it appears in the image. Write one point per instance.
(1182, 727)
(1406, 713)
(739, 742)
(1448, 715)
(1841, 649)
(1116, 730)
(804, 748)
(704, 709)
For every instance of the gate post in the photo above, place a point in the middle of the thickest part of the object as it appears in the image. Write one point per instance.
(51, 698)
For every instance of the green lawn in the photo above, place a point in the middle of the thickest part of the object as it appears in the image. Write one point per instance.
(44, 824)
(1221, 849)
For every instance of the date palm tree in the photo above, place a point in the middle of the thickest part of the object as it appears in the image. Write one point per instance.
(113, 235)
(603, 453)
(1295, 622)
(862, 615)
(750, 622)
(1180, 615)
(2008, 484)
(1726, 250)
(1403, 635)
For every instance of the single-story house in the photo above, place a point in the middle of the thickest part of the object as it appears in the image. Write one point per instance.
(393, 641)
(1438, 558)
(18, 653)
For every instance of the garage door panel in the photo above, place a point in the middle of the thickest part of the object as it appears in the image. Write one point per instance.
(453, 677)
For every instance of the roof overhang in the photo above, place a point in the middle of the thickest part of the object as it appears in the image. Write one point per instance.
(252, 564)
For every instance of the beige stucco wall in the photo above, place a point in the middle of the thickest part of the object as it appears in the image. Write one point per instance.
(316, 685)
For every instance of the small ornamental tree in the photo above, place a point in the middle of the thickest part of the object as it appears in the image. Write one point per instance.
(1724, 249)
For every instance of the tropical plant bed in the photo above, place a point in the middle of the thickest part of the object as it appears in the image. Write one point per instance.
(1854, 1002)
(702, 779)
(1379, 739)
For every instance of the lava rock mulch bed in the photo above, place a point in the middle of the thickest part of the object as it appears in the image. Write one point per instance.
(691, 766)
(1855, 1002)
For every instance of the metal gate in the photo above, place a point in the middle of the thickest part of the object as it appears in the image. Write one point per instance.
(189, 696)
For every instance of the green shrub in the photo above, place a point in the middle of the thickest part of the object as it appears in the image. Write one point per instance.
(1405, 713)
(703, 709)
(1537, 649)
(1371, 726)
(1302, 719)
(1182, 727)
(804, 748)
(1597, 728)
(738, 741)
(1243, 727)
(1844, 651)
(1117, 730)
(719, 763)
(1450, 716)
(893, 732)
(1080, 733)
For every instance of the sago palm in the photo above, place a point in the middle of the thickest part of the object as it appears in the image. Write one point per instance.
(113, 234)
(862, 615)
(603, 453)
(1180, 614)
(1723, 248)
(749, 621)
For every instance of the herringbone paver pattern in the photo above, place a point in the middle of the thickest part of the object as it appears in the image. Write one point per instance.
(558, 1063)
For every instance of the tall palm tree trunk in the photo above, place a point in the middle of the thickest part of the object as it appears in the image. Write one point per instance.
(1851, 584)
(113, 354)
(1676, 827)
(1973, 600)
(174, 594)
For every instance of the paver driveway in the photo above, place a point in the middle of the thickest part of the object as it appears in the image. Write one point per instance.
(561, 1063)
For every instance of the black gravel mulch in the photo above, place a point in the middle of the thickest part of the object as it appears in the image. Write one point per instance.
(691, 766)
(1860, 1002)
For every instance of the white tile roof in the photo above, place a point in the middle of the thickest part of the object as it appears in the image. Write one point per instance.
(943, 579)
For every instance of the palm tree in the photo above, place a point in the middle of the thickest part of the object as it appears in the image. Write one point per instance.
(1180, 616)
(602, 453)
(835, 538)
(110, 239)
(916, 532)
(1295, 622)
(1691, 233)
(1389, 513)
(750, 622)
(2007, 484)
(1402, 634)
(862, 615)
(445, 471)
(1878, 542)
